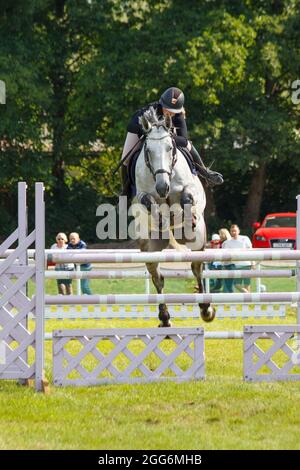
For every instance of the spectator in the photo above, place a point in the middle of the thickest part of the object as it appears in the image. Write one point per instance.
(215, 241)
(64, 285)
(215, 285)
(227, 283)
(76, 244)
(224, 235)
(238, 242)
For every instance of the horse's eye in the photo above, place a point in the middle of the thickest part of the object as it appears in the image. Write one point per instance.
(169, 148)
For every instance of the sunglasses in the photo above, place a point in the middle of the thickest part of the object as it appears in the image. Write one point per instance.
(61, 239)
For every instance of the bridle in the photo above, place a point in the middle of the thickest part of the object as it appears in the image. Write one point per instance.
(147, 157)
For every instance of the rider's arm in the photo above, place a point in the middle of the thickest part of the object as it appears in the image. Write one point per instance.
(180, 125)
(181, 141)
(181, 134)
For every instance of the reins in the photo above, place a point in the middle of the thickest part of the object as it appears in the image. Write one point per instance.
(147, 157)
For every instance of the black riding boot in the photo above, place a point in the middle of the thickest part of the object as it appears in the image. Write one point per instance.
(126, 190)
(212, 177)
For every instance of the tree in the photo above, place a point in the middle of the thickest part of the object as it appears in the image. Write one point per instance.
(240, 73)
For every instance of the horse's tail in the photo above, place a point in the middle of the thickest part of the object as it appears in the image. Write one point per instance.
(174, 244)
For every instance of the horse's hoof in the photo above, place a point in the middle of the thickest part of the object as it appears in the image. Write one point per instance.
(163, 316)
(208, 314)
(165, 325)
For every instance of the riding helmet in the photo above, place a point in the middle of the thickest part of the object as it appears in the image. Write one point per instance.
(172, 99)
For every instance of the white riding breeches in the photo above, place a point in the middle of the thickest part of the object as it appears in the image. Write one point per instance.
(130, 141)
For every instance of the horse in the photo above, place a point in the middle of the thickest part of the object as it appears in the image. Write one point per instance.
(163, 178)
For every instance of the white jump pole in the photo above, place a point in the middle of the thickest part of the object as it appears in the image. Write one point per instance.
(258, 279)
(207, 335)
(78, 282)
(171, 274)
(207, 286)
(154, 299)
(187, 256)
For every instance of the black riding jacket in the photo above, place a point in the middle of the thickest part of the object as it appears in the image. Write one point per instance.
(178, 121)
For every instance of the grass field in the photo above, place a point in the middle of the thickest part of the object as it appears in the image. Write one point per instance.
(221, 412)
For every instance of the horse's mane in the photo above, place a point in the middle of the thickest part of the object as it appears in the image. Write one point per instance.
(150, 116)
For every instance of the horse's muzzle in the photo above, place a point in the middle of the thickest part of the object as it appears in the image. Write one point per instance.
(162, 189)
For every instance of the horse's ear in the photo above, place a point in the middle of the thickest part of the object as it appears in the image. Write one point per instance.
(168, 121)
(146, 125)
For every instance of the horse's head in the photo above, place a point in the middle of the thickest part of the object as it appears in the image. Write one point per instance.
(159, 150)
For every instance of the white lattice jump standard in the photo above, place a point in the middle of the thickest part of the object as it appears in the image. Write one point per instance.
(162, 354)
(16, 338)
(260, 363)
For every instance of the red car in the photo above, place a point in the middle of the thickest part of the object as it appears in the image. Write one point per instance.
(277, 231)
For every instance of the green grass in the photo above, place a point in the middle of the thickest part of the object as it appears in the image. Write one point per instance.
(221, 412)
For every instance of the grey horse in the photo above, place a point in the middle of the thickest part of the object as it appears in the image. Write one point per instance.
(173, 201)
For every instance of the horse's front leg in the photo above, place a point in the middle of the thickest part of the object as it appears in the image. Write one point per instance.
(158, 243)
(187, 202)
(207, 311)
(147, 200)
(158, 281)
(158, 224)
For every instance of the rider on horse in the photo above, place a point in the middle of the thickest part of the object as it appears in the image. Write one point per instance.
(170, 103)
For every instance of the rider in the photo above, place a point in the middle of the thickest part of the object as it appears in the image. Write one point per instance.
(170, 103)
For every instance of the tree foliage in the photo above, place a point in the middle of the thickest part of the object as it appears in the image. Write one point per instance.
(76, 70)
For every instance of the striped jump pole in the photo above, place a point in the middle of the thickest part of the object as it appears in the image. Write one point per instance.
(82, 256)
(170, 274)
(154, 299)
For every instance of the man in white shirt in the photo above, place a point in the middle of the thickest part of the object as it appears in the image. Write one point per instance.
(238, 242)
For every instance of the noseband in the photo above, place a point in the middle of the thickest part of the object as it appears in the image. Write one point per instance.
(147, 157)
